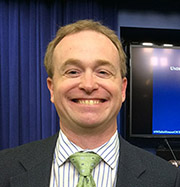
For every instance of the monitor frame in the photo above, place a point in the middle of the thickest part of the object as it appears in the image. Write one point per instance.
(149, 139)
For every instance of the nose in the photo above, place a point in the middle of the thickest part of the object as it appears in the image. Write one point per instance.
(88, 82)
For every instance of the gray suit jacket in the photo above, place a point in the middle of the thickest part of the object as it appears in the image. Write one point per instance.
(30, 166)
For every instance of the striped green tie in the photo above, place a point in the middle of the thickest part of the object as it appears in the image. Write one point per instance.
(85, 163)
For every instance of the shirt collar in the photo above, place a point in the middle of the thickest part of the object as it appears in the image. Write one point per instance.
(109, 151)
(64, 149)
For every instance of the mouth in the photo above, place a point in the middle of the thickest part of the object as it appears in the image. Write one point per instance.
(89, 101)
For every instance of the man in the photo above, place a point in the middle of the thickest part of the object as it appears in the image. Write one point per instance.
(86, 79)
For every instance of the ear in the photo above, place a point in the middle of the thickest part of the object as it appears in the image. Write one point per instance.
(123, 88)
(51, 88)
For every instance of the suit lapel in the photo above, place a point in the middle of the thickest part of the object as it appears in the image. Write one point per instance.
(126, 178)
(37, 163)
(36, 177)
(130, 167)
(36, 160)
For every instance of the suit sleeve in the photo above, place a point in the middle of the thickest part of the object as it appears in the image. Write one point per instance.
(177, 184)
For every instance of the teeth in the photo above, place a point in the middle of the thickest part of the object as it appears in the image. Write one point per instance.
(89, 102)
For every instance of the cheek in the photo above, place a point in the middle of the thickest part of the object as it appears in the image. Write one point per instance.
(118, 95)
(62, 90)
(113, 88)
(60, 100)
(58, 91)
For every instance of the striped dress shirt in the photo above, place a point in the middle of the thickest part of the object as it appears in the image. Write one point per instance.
(64, 174)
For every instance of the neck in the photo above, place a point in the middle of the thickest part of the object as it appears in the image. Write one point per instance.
(90, 138)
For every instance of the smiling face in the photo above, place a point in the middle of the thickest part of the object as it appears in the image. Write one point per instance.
(87, 88)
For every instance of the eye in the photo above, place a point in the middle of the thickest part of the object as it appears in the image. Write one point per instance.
(73, 73)
(104, 74)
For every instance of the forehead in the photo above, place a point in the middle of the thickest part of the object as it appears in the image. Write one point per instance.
(87, 45)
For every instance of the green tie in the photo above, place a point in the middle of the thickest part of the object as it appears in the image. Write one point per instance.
(85, 163)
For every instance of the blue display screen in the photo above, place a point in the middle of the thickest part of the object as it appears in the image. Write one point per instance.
(166, 90)
(154, 91)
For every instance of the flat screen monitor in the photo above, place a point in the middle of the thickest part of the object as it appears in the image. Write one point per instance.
(154, 93)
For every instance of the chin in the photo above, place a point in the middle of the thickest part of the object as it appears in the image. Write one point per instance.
(89, 123)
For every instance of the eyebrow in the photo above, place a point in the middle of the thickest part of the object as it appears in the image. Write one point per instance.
(69, 62)
(79, 63)
(105, 63)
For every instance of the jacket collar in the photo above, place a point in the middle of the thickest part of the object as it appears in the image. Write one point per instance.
(130, 166)
(38, 160)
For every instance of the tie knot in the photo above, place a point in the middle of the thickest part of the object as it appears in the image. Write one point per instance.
(85, 162)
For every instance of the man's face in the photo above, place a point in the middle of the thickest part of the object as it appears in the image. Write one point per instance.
(86, 88)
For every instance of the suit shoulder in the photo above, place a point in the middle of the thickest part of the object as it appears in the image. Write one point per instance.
(12, 154)
(151, 161)
(141, 167)
(16, 161)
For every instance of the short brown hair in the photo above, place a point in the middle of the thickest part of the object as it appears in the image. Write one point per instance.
(81, 26)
